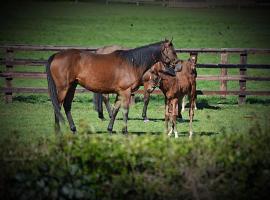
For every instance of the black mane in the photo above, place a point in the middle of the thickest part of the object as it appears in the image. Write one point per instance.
(144, 56)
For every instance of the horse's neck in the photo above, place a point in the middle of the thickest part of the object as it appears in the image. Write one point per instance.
(186, 69)
(146, 57)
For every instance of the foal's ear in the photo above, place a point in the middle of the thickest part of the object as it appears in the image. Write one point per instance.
(171, 40)
(167, 44)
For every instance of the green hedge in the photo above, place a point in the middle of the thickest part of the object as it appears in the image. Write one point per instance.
(98, 166)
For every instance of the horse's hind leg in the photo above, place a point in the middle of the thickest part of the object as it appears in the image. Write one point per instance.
(146, 99)
(56, 124)
(67, 106)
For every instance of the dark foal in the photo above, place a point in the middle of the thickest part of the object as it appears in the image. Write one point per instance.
(118, 72)
(174, 89)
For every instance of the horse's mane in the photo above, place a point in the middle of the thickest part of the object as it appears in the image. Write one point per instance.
(142, 56)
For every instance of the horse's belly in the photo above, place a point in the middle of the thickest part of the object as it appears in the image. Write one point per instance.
(97, 86)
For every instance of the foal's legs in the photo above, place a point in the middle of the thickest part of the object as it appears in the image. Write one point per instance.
(67, 106)
(167, 119)
(191, 110)
(180, 104)
(183, 103)
(146, 99)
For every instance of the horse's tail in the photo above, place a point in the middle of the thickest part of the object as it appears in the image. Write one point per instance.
(97, 100)
(53, 91)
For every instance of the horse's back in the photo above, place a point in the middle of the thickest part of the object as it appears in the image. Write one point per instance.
(109, 49)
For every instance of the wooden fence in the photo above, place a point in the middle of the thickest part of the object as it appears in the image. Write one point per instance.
(10, 61)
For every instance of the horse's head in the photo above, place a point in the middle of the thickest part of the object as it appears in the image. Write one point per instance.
(192, 63)
(168, 53)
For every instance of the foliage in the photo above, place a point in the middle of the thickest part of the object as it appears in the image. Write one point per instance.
(230, 166)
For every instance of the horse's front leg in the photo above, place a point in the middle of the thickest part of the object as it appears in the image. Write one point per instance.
(125, 105)
(174, 115)
(146, 99)
(115, 110)
(106, 100)
(167, 118)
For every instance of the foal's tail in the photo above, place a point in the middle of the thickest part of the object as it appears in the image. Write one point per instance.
(97, 100)
(53, 91)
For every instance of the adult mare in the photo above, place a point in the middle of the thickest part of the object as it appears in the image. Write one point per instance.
(119, 72)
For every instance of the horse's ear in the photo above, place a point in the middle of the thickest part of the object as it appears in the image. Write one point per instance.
(167, 43)
(193, 59)
(171, 40)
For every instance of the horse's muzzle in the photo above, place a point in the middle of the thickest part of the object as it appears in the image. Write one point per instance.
(178, 67)
(170, 71)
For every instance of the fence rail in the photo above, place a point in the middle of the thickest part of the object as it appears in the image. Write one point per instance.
(10, 61)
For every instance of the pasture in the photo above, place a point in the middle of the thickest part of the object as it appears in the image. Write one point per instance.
(228, 156)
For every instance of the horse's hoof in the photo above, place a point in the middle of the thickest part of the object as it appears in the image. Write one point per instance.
(73, 129)
(109, 130)
(146, 120)
(124, 131)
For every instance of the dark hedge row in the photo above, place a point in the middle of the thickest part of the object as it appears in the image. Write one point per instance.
(228, 166)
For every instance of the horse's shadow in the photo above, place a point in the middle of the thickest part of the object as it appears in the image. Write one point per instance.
(180, 120)
(180, 134)
(203, 104)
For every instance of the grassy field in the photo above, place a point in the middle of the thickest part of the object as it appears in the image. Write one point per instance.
(93, 24)
(96, 25)
(226, 134)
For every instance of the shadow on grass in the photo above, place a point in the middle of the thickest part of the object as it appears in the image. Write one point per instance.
(31, 98)
(180, 134)
(204, 103)
(154, 119)
(253, 100)
(131, 132)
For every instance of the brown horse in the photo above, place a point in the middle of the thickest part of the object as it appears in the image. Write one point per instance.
(175, 88)
(119, 72)
(146, 81)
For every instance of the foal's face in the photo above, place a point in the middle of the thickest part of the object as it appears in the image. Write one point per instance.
(153, 82)
(192, 64)
(168, 53)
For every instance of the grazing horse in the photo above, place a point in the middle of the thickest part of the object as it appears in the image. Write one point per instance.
(175, 88)
(118, 72)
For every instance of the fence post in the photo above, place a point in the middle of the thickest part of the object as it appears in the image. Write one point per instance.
(242, 83)
(223, 72)
(9, 68)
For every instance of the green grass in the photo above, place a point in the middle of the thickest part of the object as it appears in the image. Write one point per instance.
(93, 24)
(96, 25)
(32, 117)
